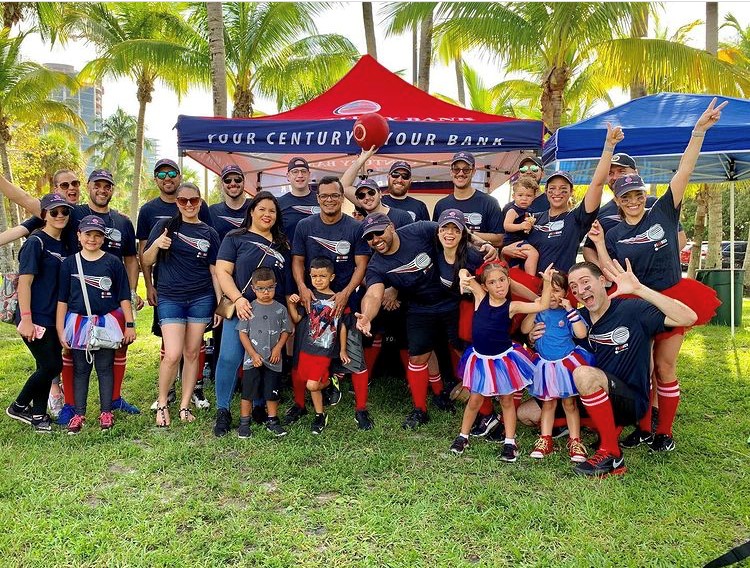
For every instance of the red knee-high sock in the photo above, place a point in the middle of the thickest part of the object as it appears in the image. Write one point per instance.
(118, 370)
(669, 400)
(436, 383)
(418, 377)
(645, 422)
(600, 410)
(403, 355)
(372, 352)
(299, 387)
(66, 376)
(201, 362)
(517, 398)
(454, 362)
(487, 406)
(360, 383)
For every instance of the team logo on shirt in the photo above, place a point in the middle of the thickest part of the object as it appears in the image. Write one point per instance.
(552, 228)
(421, 262)
(413, 216)
(654, 234)
(103, 283)
(474, 219)
(201, 245)
(618, 338)
(340, 248)
(114, 235)
(307, 209)
(57, 255)
(445, 282)
(235, 221)
(270, 251)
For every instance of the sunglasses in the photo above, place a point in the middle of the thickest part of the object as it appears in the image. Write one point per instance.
(456, 170)
(65, 185)
(400, 175)
(168, 174)
(270, 288)
(371, 235)
(525, 169)
(361, 194)
(193, 201)
(60, 211)
(237, 180)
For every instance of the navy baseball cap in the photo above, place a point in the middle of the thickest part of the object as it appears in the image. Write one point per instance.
(102, 175)
(375, 222)
(467, 157)
(52, 200)
(630, 182)
(297, 162)
(232, 169)
(166, 162)
(622, 159)
(454, 216)
(534, 159)
(400, 165)
(92, 223)
(563, 174)
(368, 183)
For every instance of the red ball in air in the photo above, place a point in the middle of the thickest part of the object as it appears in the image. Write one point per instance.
(370, 130)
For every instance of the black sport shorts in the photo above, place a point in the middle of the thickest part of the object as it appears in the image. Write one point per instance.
(426, 332)
(624, 401)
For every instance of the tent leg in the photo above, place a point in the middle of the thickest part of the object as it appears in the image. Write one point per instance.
(731, 256)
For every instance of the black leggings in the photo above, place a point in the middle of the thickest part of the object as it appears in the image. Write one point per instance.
(104, 360)
(47, 354)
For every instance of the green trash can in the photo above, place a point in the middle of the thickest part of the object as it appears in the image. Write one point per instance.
(719, 280)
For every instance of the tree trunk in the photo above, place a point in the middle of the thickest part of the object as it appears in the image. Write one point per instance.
(712, 27)
(639, 29)
(369, 29)
(699, 231)
(552, 99)
(459, 64)
(243, 103)
(6, 252)
(218, 56)
(145, 88)
(425, 53)
(713, 258)
(414, 55)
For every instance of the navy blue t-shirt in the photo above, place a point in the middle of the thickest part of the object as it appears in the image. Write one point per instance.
(621, 342)
(399, 217)
(119, 239)
(481, 212)
(106, 284)
(248, 251)
(651, 245)
(474, 260)
(185, 273)
(224, 218)
(339, 242)
(33, 223)
(412, 270)
(539, 205)
(42, 255)
(68, 236)
(557, 237)
(157, 209)
(521, 214)
(294, 209)
(417, 209)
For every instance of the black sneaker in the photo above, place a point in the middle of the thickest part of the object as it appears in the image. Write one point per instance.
(415, 419)
(662, 443)
(601, 464)
(364, 422)
(486, 423)
(20, 413)
(243, 431)
(319, 423)
(509, 453)
(497, 435)
(332, 393)
(636, 438)
(42, 425)
(443, 401)
(294, 413)
(259, 414)
(459, 445)
(223, 422)
(273, 425)
(559, 432)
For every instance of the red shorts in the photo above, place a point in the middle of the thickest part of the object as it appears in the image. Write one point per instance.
(313, 367)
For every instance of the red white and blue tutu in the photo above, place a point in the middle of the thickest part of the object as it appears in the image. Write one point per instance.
(493, 375)
(554, 379)
(78, 327)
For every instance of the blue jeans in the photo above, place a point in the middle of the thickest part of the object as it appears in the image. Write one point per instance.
(231, 356)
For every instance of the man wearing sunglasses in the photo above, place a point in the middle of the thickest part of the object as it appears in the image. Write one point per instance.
(230, 213)
(300, 202)
(399, 183)
(481, 212)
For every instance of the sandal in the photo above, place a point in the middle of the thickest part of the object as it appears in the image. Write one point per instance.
(162, 417)
(186, 415)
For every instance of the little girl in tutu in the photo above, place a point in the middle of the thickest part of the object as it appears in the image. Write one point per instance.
(553, 373)
(493, 365)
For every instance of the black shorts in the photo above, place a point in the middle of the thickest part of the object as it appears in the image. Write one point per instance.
(624, 401)
(261, 383)
(426, 332)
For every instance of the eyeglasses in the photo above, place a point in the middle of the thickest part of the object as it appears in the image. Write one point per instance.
(168, 174)
(65, 184)
(401, 175)
(361, 194)
(329, 196)
(60, 211)
(270, 288)
(525, 169)
(299, 172)
(466, 171)
(237, 180)
(372, 234)
(193, 201)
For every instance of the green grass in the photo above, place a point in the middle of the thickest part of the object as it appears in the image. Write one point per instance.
(142, 496)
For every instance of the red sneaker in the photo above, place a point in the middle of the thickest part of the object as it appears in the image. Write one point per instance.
(75, 424)
(543, 447)
(106, 420)
(576, 450)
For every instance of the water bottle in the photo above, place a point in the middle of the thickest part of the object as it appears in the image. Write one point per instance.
(206, 372)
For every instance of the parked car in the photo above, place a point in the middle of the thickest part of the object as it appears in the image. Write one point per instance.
(685, 254)
(740, 247)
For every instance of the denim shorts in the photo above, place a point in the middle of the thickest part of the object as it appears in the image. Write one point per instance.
(200, 310)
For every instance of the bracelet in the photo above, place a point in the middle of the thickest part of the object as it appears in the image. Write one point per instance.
(573, 315)
(697, 134)
(129, 324)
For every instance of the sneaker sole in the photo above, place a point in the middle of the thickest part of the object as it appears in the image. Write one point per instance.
(618, 471)
(539, 456)
(70, 433)
(277, 435)
(456, 452)
(509, 460)
(669, 448)
(242, 437)
(578, 459)
(19, 418)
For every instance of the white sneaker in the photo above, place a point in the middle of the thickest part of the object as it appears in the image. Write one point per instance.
(199, 400)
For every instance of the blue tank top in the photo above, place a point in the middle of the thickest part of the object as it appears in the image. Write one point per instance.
(490, 328)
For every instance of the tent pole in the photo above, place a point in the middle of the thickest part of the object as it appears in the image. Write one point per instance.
(731, 255)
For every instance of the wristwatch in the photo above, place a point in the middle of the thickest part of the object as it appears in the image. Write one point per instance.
(129, 324)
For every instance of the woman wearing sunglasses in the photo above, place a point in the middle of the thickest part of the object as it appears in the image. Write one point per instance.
(185, 249)
(39, 268)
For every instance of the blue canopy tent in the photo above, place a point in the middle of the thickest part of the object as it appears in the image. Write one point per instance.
(657, 130)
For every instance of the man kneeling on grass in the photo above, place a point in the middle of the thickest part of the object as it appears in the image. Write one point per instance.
(617, 391)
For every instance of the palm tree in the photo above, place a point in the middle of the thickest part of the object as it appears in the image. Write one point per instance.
(146, 42)
(215, 28)
(274, 50)
(369, 23)
(114, 144)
